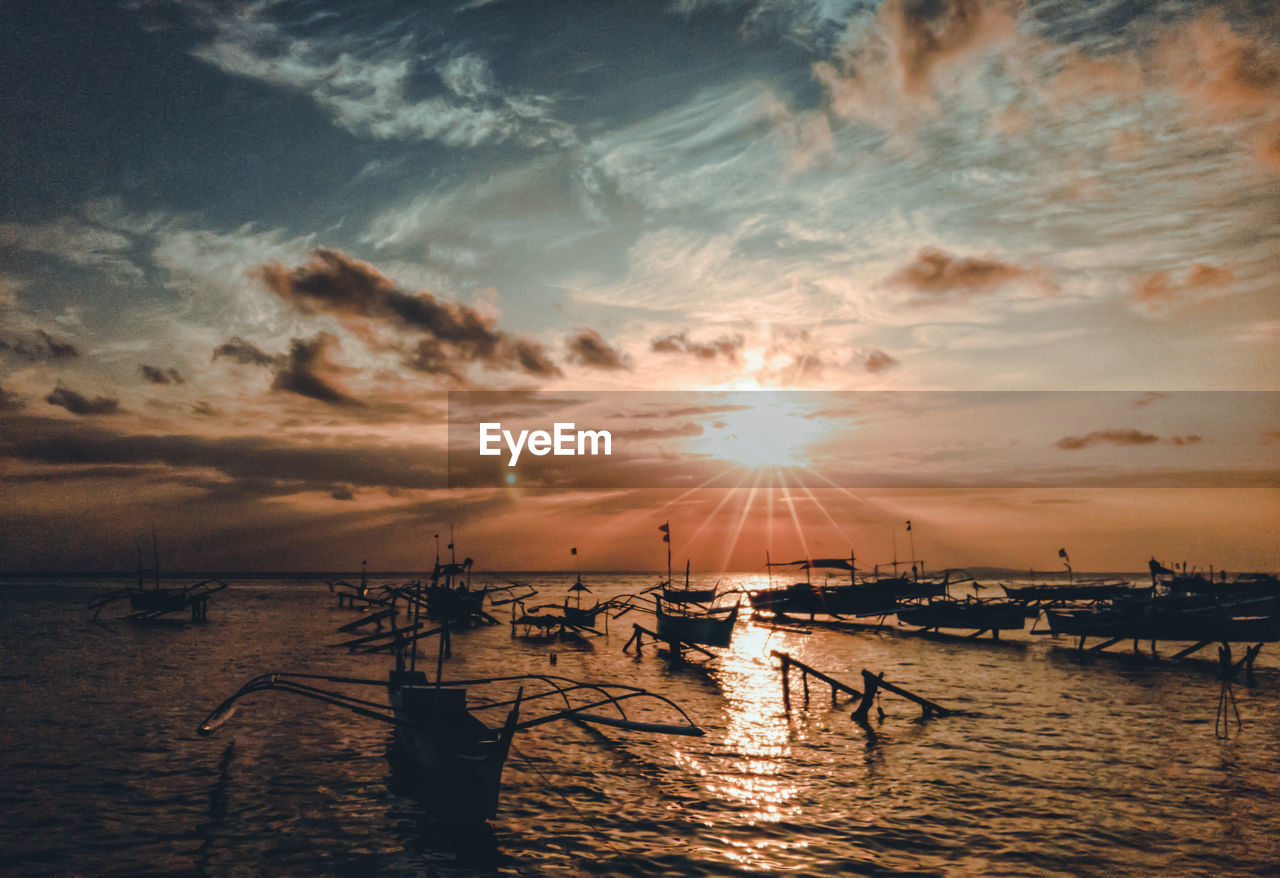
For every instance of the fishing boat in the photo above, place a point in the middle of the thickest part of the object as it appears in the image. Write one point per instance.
(967, 614)
(692, 617)
(456, 756)
(874, 596)
(576, 615)
(154, 602)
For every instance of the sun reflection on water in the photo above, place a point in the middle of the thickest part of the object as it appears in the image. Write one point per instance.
(749, 775)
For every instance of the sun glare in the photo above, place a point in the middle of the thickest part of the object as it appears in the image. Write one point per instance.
(772, 432)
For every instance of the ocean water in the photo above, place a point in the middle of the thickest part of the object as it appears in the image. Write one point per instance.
(1051, 763)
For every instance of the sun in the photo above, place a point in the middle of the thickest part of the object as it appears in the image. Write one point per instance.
(773, 431)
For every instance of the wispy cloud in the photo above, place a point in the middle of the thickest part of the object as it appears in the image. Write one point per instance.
(366, 86)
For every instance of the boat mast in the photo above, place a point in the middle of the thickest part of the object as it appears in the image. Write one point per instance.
(155, 557)
(912, 537)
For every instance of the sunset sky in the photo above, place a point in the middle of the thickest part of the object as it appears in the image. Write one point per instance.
(247, 249)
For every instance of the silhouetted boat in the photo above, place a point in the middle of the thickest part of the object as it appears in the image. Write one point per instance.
(150, 604)
(457, 758)
(691, 616)
(878, 596)
(969, 615)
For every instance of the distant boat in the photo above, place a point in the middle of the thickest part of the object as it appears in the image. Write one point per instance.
(878, 596)
(150, 604)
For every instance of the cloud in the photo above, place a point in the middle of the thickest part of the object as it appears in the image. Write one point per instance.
(307, 371)
(891, 59)
(1107, 437)
(74, 241)
(878, 361)
(256, 463)
(10, 402)
(679, 343)
(156, 375)
(1231, 75)
(1149, 397)
(370, 85)
(38, 346)
(937, 273)
(457, 335)
(1161, 289)
(1189, 439)
(244, 353)
(81, 405)
(342, 492)
(587, 348)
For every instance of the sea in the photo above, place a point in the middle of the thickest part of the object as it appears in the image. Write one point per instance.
(1048, 762)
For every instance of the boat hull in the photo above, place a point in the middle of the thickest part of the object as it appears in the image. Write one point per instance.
(457, 759)
(965, 616)
(702, 629)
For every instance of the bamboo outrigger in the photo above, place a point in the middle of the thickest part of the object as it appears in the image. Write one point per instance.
(454, 751)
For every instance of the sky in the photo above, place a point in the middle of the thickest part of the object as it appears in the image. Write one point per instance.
(253, 254)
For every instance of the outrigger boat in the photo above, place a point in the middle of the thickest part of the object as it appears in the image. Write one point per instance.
(879, 596)
(970, 614)
(457, 756)
(689, 615)
(151, 604)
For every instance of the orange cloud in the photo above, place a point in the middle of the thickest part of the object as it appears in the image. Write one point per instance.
(937, 273)
(1106, 437)
(1160, 289)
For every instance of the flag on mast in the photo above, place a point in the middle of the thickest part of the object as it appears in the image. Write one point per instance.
(908, 524)
(573, 551)
(666, 532)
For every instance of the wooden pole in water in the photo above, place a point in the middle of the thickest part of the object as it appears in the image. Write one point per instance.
(786, 682)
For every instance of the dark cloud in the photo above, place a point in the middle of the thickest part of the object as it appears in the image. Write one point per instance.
(457, 335)
(1189, 439)
(342, 492)
(245, 353)
(1107, 437)
(878, 361)
(253, 463)
(680, 343)
(937, 273)
(156, 375)
(204, 409)
(533, 358)
(587, 348)
(307, 371)
(81, 405)
(9, 402)
(38, 346)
